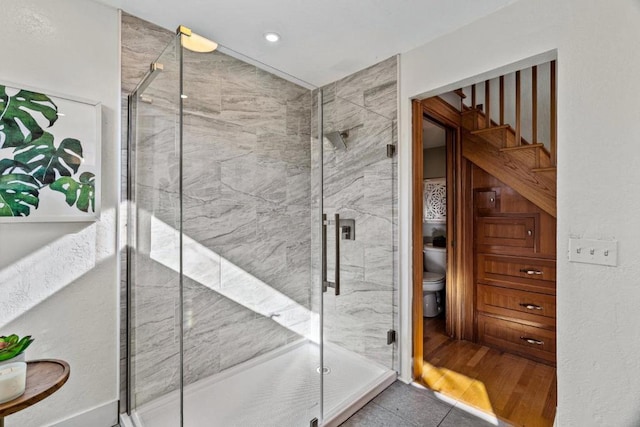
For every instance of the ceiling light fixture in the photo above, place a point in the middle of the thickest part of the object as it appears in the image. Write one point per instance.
(272, 37)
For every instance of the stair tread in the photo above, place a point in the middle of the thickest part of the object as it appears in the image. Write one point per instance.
(549, 169)
(492, 128)
(469, 110)
(522, 147)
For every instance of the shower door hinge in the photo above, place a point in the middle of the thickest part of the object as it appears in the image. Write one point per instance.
(391, 150)
(391, 336)
(313, 423)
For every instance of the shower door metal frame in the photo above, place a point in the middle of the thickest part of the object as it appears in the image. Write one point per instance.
(132, 108)
(155, 68)
(323, 250)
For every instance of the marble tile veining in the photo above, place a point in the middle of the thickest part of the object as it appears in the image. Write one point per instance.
(359, 184)
(249, 215)
(245, 211)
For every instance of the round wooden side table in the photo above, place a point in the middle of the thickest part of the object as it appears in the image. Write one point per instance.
(44, 377)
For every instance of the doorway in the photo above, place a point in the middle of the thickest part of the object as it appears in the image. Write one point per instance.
(437, 156)
(492, 347)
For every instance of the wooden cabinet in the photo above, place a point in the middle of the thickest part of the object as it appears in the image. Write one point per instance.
(515, 272)
(487, 199)
(507, 234)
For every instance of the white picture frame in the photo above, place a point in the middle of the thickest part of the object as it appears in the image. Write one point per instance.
(435, 200)
(78, 120)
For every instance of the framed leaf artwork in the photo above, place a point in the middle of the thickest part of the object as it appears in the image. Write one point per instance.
(49, 156)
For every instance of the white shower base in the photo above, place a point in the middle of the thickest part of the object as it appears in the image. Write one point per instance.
(279, 389)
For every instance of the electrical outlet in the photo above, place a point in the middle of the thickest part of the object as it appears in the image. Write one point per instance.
(590, 251)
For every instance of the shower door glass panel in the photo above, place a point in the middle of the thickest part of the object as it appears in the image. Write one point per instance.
(154, 257)
(250, 329)
(358, 186)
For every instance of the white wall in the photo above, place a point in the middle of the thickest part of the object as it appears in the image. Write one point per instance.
(434, 162)
(59, 281)
(598, 180)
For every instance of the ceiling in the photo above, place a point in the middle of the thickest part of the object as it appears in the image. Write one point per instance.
(321, 41)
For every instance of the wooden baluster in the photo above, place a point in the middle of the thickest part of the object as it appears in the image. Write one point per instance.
(460, 95)
(534, 112)
(487, 103)
(473, 97)
(474, 104)
(534, 104)
(553, 128)
(501, 100)
(518, 140)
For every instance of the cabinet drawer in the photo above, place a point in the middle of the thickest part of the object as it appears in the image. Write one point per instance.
(506, 232)
(531, 274)
(527, 341)
(521, 305)
(486, 200)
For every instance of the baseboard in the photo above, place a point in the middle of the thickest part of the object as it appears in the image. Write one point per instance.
(101, 416)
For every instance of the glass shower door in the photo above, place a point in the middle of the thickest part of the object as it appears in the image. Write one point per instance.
(154, 223)
(250, 331)
(359, 259)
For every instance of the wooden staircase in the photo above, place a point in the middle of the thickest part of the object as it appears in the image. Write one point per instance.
(499, 149)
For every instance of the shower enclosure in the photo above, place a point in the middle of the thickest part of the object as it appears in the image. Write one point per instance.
(261, 271)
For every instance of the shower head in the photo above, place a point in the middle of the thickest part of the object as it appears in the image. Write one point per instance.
(337, 139)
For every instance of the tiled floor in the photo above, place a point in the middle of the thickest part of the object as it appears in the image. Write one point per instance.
(403, 405)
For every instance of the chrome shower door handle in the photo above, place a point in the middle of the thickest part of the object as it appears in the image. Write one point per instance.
(324, 252)
(337, 273)
(325, 283)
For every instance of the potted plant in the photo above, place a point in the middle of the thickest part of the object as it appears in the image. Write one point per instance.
(12, 348)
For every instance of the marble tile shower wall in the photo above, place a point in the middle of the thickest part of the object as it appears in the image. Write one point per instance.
(360, 184)
(247, 201)
(246, 204)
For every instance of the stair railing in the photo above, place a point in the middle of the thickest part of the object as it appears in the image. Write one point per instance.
(486, 107)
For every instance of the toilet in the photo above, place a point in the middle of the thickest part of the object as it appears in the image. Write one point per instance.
(433, 280)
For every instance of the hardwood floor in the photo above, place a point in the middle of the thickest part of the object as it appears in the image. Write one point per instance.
(514, 389)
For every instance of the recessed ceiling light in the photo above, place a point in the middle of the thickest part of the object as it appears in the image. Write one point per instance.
(272, 37)
(183, 96)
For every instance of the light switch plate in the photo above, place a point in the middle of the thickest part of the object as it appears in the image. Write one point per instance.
(590, 251)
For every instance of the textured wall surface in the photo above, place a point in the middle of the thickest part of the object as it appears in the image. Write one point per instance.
(59, 281)
(246, 207)
(598, 179)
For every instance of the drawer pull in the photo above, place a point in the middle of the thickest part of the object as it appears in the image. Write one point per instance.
(531, 271)
(532, 340)
(529, 233)
(530, 306)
